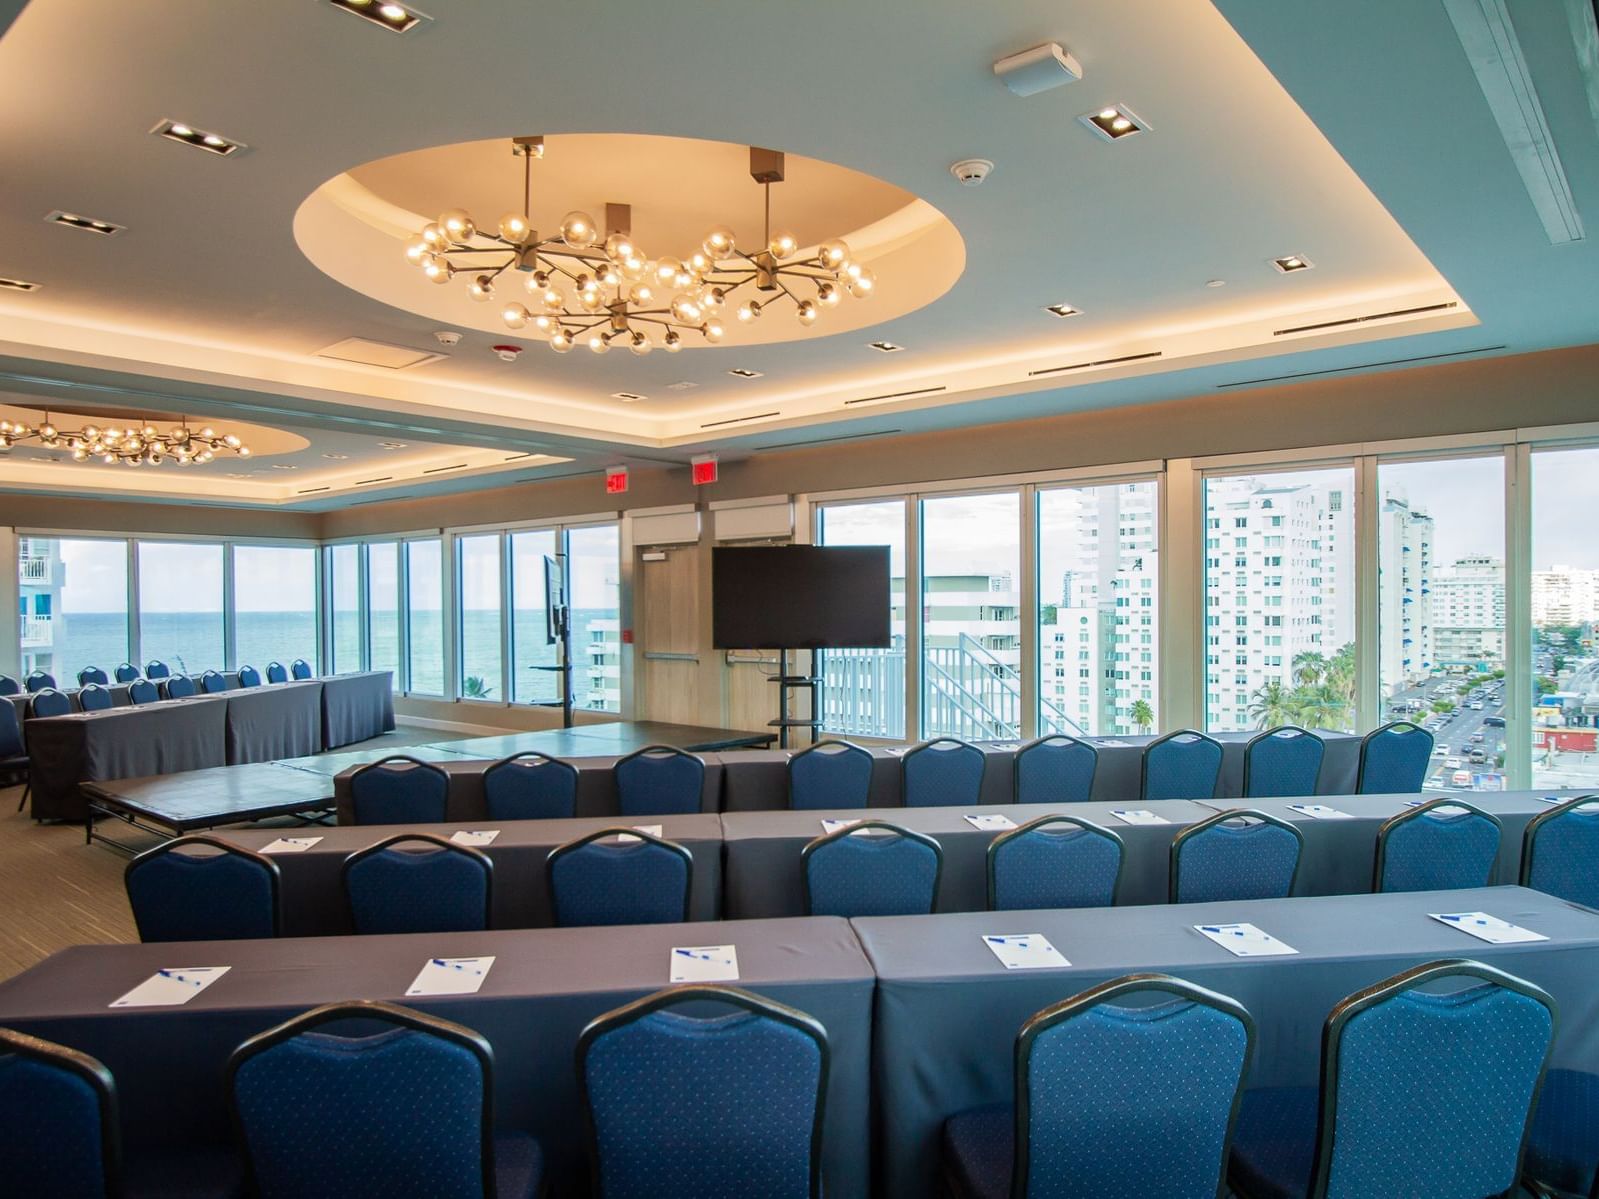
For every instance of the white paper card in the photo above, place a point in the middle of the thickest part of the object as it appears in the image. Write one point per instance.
(990, 823)
(1552, 799)
(1487, 928)
(1137, 816)
(705, 964)
(451, 976)
(832, 826)
(1108, 741)
(1319, 811)
(653, 830)
(290, 845)
(1024, 951)
(171, 986)
(474, 836)
(1245, 940)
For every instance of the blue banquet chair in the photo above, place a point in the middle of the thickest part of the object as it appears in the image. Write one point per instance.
(1180, 765)
(1563, 1146)
(399, 790)
(300, 670)
(829, 774)
(92, 697)
(408, 1110)
(530, 786)
(1055, 769)
(13, 753)
(39, 680)
(49, 702)
(1394, 759)
(1237, 854)
(92, 674)
(619, 876)
(143, 691)
(718, 1106)
(659, 780)
(435, 887)
(9, 685)
(1091, 1068)
(127, 672)
(1282, 761)
(1440, 845)
(1054, 862)
(942, 773)
(872, 868)
(1560, 851)
(223, 893)
(156, 669)
(1423, 1092)
(178, 686)
(277, 672)
(249, 676)
(213, 682)
(59, 1109)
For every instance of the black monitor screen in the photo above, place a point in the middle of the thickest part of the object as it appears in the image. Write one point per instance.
(800, 597)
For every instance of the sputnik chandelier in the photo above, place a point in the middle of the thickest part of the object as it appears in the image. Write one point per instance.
(133, 444)
(601, 289)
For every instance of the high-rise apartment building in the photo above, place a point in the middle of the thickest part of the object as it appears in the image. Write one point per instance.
(1467, 607)
(1404, 593)
(1565, 595)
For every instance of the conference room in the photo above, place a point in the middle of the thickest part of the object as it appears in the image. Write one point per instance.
(898, 601)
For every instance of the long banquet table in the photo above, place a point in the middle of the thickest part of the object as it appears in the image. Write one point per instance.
(947, 1013)
(544, 987)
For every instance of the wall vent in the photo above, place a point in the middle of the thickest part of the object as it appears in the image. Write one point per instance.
(1370, 316)
(896, 395)
(310, 490)
(434, 470)
(379, 479)
(1082, 366)
(738, 420)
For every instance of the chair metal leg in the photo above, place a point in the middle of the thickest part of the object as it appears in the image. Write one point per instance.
(27, 789)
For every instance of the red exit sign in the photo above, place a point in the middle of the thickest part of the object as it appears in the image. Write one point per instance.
(704, 468)
(615, 480)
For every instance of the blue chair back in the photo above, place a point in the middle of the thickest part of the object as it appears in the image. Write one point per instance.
(399, 790)
(1394, 759)
(1395, 1057)
(301, 669)
(1283, 761)
(830, 774)
(598, 879)
(1054, 862)
(49, 702)
(178, 686)
(1084, 1065)
(92, 697)
(9, 685)
(212, 682)
(405, 1111)
(886, 871)
(249, 676)
(1055, 769)
(59, 1111)
(436, 887)
(156, 669)
(659, 781)
(39, 680)
(11, 745)
(943, 773)
(722, 1106)
(277, 672)
(1239, 854)
(223, 893)
(1559, 851)
(530, 786)
(1442, 845)
(127, 672)
(142, 691)
(1181, 765)
(92, 674)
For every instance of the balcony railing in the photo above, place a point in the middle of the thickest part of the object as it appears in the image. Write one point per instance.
(34, 572)
(37, 632)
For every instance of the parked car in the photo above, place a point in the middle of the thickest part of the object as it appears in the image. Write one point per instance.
(1475, 705)
(1434, 781)
(1493, 722)
(1452, 763)
(1440, 751)
(1460, 778)
(1476, 756)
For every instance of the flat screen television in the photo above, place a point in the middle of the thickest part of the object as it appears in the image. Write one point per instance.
(800, 597)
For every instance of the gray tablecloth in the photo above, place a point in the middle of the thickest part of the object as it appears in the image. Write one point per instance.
(545, 985)
(119, 699)
(947, 1013)
(266, 723)
(313, 896)
(356, 707)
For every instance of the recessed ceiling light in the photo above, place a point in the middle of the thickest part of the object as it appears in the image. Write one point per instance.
(73, 221)
(885, 347)
(18, 285)
(188, 135)
(396, 18)
(1062, 310)
(1215, 283)
(683, 386)
(744, 374)
(631, 397)
(283, 466)
(391, 445)
(336, 457)
(1289, 263)
(1114, 122)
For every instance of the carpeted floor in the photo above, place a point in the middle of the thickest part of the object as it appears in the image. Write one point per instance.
(55, 891)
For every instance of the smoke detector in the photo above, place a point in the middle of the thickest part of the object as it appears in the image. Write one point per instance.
(448, 337)
(969, 172)
(507, 353)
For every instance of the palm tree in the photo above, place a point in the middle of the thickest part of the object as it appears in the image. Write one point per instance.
(1340, 672)
(1271, 705)
(1319, 707)
(1309, 667)
(1142, 715)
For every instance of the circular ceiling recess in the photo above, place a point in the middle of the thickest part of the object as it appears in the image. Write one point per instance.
(356, 226)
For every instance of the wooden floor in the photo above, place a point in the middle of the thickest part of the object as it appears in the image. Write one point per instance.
(55, 891)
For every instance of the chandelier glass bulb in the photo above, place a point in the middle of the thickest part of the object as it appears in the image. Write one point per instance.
(640, 344)
(457, 224)
(143, 443)
(641, 293)
(619, 246)
(577, 230)
(515, 228)
(833, 254)
(713, 331)
(782, 244)
(807, 312)
(667, 270)
(514, 315)
(482, 288)
(599, 343)
(719, 243)
(560, 341)
(673, 342)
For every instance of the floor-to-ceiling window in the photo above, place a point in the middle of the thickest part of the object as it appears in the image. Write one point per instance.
(73, 604)
(383, 607)
(532, 652)
(1564, 592)
(344, 606)
(1441, 610)
(477, 563)
(274, 604)
(180, 605)
(971, 616)
(594, 590)
(424, 615)
(1280, 599)
(863, 692)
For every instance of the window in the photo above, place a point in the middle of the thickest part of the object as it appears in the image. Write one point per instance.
(1096, 550)
(180, 605)
(864, 689)
(593, 566)
(1441, 606)
(971, 621)
(274, 604)
(531, 650)
(1312, 682)
(74, 605)
(1565, 607)
(383, 607)
(424, 616)
(477, 562)
(344, 592)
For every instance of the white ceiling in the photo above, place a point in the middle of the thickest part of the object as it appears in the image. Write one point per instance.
(1353, 133)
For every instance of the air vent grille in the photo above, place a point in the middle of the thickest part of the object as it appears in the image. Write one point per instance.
(896, 395)
(1370, 316)
(738, 420)
(1082, 366)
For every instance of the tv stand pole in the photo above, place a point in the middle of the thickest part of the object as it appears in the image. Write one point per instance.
(786, 685)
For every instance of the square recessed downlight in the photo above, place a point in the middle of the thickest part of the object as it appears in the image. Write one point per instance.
(391, 445)
(201, 139)
(1114, 122)
(1062, 310)
(885, 347)
(17, 285)
(1289, 263)
(89, 224)
(742, 373)
(630, 397)
(396, 18)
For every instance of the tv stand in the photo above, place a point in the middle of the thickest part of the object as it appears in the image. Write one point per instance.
(787, 684)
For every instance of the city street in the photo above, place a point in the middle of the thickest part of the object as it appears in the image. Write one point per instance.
(1455, 730)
